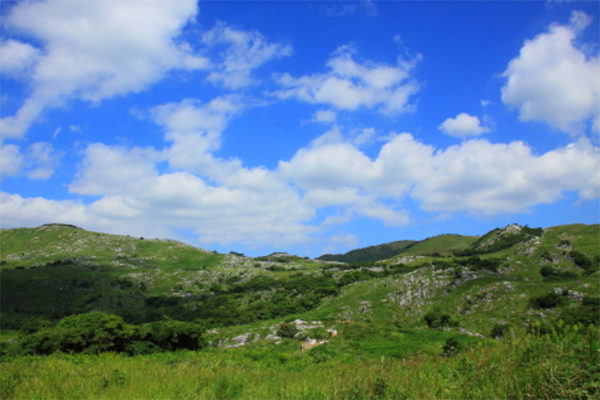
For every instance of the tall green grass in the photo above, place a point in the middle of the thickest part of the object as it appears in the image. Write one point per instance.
(558, 365)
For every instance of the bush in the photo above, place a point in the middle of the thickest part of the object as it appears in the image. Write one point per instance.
(452, 347)
(580, 259)
(499, 330)
(93, 332)
(141, 347)
(477, 263)
(587, 313)
(435, 319)
(172, 335)
(287, 330)
(549, 300)
(43, 342)
(97, 332)
(552, 274)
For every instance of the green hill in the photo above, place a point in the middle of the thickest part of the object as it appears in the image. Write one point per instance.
(441, 245)
(371, 253)
(426, 322)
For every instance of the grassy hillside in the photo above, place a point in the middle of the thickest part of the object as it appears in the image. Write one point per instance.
(371, 253)
(514, 313)
(53, 242)
(440, 245)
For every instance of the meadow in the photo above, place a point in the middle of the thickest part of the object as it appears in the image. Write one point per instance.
(512, 314)
(561, 364)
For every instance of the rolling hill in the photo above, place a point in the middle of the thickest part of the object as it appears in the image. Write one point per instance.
(446, 296)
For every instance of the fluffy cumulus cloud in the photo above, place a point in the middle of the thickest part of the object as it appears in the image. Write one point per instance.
(220, 200)
(257, 206)
(463, 125)
(11, 160)
(240, 53)
(487, 178)
(194, 129)
(17, 57)
(93, 50)
(349, 84)
(110, 170)
(475, 176)
(39, 161)
(555, 82)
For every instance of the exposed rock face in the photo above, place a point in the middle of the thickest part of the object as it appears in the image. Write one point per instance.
(415, 288)
(467, 332)
(573, 295)
(407, 259)
(240, 340)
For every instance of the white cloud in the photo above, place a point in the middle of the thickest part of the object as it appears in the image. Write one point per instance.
(553, 81)
(481, 177)
(244, 52)
(11, 160)
(111, 170)
(194, 130)
(349, 85)
(463, 125)
(257, 206)
(38, 162)
(340, 242)
(195, 125)
(96, 50)
(246, 205)
(16, 211)
(364, 136)
(17, 57)
(42, 160)
(326, 116)
(329, 166)
(475, 176)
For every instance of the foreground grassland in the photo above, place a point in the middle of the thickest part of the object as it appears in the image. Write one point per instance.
(557, 365)
(511, 314)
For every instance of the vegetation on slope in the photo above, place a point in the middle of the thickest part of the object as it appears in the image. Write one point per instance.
(371, 253)
(514, 313)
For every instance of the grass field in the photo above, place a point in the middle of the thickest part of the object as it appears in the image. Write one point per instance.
(558, 365)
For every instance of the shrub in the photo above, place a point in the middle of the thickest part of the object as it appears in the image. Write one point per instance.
(452, 347)
(549, 300)
(93, 332)
(499, 330)
(477, 263)
(552, 274)
(287, 330)
(172, 335)
(587, 313)
(141, 347)
(97, 332)
(43, 342)
(435, 319)
(580, 259)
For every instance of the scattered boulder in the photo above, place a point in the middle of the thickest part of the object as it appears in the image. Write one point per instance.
(573, 295)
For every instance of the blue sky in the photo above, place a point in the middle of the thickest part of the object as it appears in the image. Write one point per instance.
(307, 127)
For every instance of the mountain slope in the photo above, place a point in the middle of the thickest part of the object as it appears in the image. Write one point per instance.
(54, 271)
(371, 253)
(441, 244)
(419, 325)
